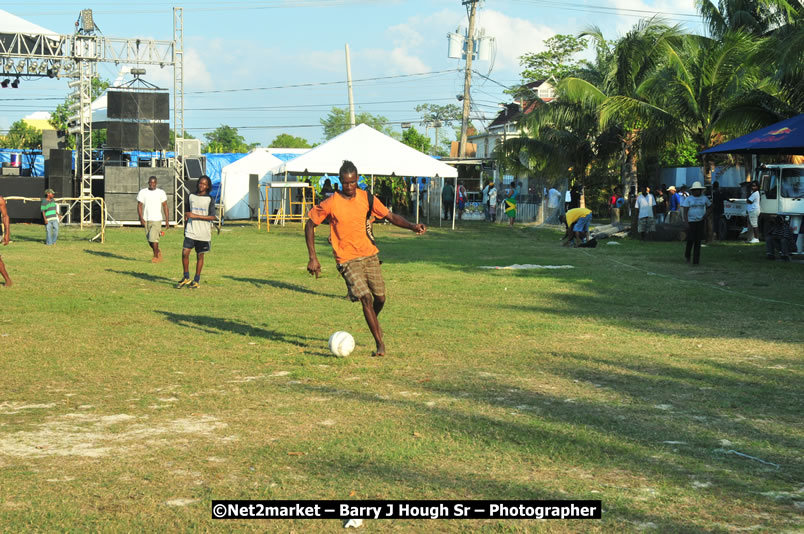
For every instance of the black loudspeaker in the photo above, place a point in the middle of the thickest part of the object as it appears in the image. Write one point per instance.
(114, 104)
(59, 163)
(30, 187)
(52, 139)
(161, 136)
(62, 186)
(193, 167)
(161, 106)
(138, 105)
(59, 172)
(138, 135)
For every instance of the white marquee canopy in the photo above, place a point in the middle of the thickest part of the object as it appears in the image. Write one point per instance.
(372, 152)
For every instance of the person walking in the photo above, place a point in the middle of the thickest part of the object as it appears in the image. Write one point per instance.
(448, 199)
(752, 207)
(646, 204)
(353, 246)
(492, 202)
(50, 215)
(6, 239)
(198, 218)
(151, 207)
(693, 211)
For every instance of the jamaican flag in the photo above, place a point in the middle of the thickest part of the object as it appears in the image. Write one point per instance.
(510, 207)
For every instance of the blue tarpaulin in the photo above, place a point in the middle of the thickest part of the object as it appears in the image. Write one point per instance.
(785, 137)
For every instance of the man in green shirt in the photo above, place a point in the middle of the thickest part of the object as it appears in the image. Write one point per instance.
(50, 214)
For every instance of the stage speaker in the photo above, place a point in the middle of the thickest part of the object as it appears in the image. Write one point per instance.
(194, 167)
(52, 139)
(138, 135)
(114, 104)
(29, 187)
(59, 172)
(59, 163)
(161, 106)
(138, 105)
(130, 106)
(161, 136)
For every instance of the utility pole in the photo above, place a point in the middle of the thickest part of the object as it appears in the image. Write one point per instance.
(467, 81)
(349, 84)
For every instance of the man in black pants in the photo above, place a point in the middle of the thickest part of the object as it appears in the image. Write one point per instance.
(694, 209)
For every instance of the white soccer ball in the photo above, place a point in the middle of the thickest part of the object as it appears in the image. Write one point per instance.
(341, 344)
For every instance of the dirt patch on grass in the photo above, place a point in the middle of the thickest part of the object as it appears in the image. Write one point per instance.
(78, 434)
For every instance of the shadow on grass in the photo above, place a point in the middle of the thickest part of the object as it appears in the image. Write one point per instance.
(109, 255)
(144, 276)
(567, 434)
(259, 282)
(692, 313)
(218, 325)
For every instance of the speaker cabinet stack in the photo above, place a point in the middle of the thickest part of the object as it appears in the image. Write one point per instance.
(59, 172)
(137, 119)
(122, 184)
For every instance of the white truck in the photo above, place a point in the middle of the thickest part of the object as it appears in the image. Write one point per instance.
(781, 189)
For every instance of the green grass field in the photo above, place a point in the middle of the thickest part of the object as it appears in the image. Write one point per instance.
(128, 405)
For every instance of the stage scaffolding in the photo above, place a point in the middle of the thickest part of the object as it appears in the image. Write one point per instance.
(76, 57)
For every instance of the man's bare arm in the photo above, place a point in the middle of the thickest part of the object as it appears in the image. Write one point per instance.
(402, 222)
(167, 214)
(313, 266)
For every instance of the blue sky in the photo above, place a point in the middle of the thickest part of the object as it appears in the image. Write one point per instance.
(241, 57)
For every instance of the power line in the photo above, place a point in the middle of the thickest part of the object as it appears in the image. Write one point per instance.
(318, 84)
(587, 8)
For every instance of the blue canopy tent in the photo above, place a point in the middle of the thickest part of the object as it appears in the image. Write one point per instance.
(785, 137)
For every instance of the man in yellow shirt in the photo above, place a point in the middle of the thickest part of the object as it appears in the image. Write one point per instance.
(577, 221)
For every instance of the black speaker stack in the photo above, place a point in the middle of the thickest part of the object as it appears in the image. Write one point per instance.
(59, 172)
(137, 119)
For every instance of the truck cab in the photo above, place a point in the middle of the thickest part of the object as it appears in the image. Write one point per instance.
(781, 189)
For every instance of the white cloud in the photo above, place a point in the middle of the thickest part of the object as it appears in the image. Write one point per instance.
(514, 37)
(663, 8)
(196, 74)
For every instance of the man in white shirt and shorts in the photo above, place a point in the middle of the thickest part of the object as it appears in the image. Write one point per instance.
(151, 206)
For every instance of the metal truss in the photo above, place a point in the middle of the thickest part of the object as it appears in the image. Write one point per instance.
(178, 112)
(76, 57)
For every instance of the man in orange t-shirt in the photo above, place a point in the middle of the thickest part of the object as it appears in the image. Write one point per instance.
(355, 253)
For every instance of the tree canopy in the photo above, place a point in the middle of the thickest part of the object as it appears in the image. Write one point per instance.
(225, 139)
(284, 140)
(419, 141)
(22, 135)
(337, 121)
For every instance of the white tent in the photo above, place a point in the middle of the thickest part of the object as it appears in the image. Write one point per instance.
(10, 24)
(372, 152)
(235, 178)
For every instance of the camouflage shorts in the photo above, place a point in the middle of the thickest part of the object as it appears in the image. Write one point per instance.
(363, 277)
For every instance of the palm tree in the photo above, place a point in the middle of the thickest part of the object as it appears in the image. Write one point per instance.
(693, 95)
(757, 17)
(558, 138)
(625, 68)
